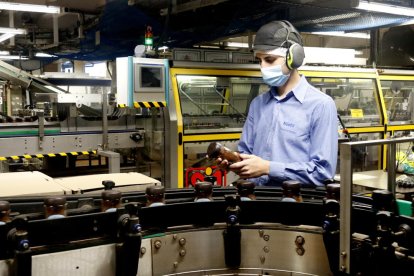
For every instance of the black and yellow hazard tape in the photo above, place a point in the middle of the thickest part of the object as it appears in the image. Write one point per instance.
(41, 155)
(149, 104)
(145, 105)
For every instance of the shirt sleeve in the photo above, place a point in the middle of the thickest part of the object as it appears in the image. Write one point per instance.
(323, 151)
(246, 141)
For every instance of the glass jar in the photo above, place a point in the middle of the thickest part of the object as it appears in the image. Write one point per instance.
(291, 191)
(333, 191)
(216, 150)
(55, 207)
(203, 191)
(4, 212)
(155, 196)
(111, 200)
(245, 189)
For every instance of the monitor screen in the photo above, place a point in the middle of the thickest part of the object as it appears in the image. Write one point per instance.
(149, 78)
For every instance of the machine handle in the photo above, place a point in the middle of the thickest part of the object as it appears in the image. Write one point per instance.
(180, 138)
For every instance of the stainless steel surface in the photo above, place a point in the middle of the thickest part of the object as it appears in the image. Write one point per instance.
(145, 259)
(391, 151)
(104, 121)
(114, 160)
(346, 205)
(79, 99)
(41, 121)
(6, 267)
(91, 261)
(185, 64)
(241, 271)
(64, 143)
(346, 189)
(203, 252)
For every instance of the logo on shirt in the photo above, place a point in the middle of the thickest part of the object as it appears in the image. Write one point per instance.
(291, 125)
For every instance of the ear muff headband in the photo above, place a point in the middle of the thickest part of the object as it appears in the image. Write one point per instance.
(295, 53)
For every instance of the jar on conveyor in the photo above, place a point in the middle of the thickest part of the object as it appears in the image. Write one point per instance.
(210, 178)
(245, 189)
(291, 191)
(155, 196)
(203, 191)
(110, 200)
(216, 150)
(383, 200)
(55, 207)
(333, 191)
(4, 212)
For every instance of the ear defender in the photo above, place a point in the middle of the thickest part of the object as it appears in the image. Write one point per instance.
(295, 56)
(295, 53)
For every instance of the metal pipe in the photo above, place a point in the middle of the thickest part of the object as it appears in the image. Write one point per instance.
(104, 121)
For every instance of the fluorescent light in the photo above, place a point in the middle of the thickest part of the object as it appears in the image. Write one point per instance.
(237, 44)
(12, 31)
(12, 57)
(4, 53)
(44, 55)
(332, 56)
(4, 37)
(28, 7)
(163, 48)
(344, 34)
(384, 8)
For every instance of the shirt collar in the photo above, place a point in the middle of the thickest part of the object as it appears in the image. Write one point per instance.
(298, 91)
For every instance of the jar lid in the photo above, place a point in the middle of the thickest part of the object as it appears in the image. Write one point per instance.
(155, 190)
(111, 195)
(333, 189)
(55, 201)
(382, 200)
(291, 185)
(4, 206)
(245, 185)
(203, 187)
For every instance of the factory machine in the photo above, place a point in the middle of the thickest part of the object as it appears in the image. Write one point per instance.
(212, 230)
(209, 102)
(161, 116)
(64, 124)
(165, 117)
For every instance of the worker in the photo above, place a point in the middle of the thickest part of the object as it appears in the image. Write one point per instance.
(291, 131)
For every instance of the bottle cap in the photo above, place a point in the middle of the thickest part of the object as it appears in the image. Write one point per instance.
(4, 206)
(292, 186)
(333, 190)
(203, 189)
(111, 195)
(55, 201)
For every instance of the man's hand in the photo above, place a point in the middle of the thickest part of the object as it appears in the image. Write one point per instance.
(251, 166)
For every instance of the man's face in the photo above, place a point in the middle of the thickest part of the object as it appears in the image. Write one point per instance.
(267, 60)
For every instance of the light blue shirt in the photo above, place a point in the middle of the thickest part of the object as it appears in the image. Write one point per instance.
(297, 134)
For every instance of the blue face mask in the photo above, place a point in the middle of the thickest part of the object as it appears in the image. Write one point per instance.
(274, 76)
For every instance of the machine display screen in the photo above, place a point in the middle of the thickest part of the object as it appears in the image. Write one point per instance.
(149, 78)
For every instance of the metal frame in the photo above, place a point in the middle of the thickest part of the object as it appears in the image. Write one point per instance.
(346, 190)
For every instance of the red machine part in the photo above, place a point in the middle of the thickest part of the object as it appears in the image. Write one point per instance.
(194, 175)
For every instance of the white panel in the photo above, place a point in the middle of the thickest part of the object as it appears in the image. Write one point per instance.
(92, 261)
(122, 80)
(145, 260)
(5, 267)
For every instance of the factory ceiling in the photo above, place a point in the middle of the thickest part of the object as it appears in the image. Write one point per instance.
(105, 29)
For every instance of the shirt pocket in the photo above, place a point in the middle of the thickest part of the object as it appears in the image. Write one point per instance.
(295, 128)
